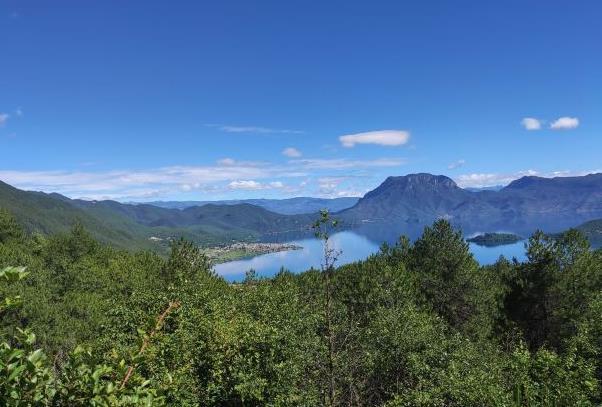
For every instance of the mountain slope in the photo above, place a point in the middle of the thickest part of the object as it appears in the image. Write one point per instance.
(414, 198)
(399, 205)
(53, 213)
(288, 206)
(234, 218)
(146, 226)
(526, 204)
(593, 231)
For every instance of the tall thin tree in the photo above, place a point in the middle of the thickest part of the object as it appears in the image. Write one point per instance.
(323, 228)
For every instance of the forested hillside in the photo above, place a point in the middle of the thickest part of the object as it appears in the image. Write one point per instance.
(593, 231)
(54, 213)
(286, 206)
(418, 324)
(406, 203)
(137, 227)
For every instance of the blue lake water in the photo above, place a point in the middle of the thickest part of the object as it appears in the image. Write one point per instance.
(353, 247)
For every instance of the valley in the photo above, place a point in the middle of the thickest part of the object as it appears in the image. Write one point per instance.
(401, 205)
(300, 204)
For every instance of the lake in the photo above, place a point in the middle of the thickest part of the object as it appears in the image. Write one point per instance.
(353, 247)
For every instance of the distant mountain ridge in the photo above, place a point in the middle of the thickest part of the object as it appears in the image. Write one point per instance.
(411, 198)
(286, 206)
(146, 226)
(525, 204)
(399, 205)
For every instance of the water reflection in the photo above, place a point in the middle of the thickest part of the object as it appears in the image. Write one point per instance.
(354, 246)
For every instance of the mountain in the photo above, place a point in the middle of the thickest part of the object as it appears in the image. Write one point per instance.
(54, 213)
(226, 222)
(147, 226)
(552, 204)
(414, 198)
(593, 231)
(289, 206)
(400, 205)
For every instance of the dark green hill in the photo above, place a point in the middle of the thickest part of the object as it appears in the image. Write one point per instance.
(53, 213)
(287, 206)
(146, 226)
(593, 231)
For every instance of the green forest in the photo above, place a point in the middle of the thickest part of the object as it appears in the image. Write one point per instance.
(418, 324)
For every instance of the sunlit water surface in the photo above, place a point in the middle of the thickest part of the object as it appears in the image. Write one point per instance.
(352, 247)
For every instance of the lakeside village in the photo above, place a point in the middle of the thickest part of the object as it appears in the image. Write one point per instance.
(241, 250)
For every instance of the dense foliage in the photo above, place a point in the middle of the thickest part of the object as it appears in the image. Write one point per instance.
(147, 227)
(418, 324)
(495, 239)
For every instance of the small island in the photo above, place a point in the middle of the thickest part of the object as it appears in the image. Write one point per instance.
(494, 239)
(241, 250)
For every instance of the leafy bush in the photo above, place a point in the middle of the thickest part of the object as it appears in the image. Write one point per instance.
(419, 324)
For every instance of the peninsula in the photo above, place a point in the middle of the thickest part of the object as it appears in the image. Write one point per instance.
(241, 250)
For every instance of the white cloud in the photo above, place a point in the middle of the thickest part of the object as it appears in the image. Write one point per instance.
(342, 163)
(252, 185)
(565, 123)
(379, 137)
(479, 180)
(333, 187)
(291, 152)
(127, 183)
(246, 185)
(226, 161)
(456, 164)
(219, 179)
(3, 118)
(531, 123)
(254, 129)
(350, 193)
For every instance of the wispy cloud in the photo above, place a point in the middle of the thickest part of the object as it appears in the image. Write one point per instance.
(253, 129)
(388, 138)
(531, 123)
(252, 185)
(226, 175)
(456, 164)
(226, 161)
(124, 183)
(565, 123)
(246, 185)
(291, 152)
(3, 118)
(479, 180)
(342, 163)
(334, 187)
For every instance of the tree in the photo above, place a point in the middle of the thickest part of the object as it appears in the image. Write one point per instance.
(446, 272)
(323, 228)
(9, 228)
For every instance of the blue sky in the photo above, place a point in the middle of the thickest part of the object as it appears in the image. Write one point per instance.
(145, 100)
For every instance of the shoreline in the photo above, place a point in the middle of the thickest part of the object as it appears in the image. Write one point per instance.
(242, 250)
